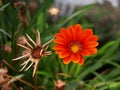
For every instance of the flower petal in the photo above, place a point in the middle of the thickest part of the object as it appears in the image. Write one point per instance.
(93, 50)
(60, 41)
(58, 51)
(90, 44)
(73, 32)
(81, 61)
(64, 54)
(75, 58)
(85, 52)
(59, 47)
(58, 35)
(85, 34)
(66, 60)
(78, 27)
(66, 34)
(88, 31)
(92, 38)
(88, 51)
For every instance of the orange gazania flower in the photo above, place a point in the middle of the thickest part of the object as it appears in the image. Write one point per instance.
(73, 43)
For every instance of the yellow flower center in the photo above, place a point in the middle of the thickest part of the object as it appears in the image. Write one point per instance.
(75, 47)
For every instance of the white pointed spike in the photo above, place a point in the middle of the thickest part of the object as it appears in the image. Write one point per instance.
(35, 67)
(30, 39)
(41, 52)
(20, 57)
(24, 47)
(28, 44)
(24, 66)
(46, 47)
(29, 66)
(25, 62)
(48, 42)
(48, 53)
(38, 41)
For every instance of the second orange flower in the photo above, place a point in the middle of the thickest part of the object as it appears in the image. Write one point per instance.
(73, 43)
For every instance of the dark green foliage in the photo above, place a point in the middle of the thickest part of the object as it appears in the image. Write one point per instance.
(100, 71)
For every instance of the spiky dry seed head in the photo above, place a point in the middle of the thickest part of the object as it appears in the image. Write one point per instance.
(34, 53)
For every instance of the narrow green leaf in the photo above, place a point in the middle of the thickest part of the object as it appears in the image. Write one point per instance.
(3, 31)
(80, 12)
(44, 73)
(3, 7)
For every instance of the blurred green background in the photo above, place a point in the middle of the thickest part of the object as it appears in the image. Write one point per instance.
(100, 71)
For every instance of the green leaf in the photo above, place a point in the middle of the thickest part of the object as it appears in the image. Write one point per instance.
(3, 31)
(3, 7)
(43, 7)
(80, 13)
(44, 73)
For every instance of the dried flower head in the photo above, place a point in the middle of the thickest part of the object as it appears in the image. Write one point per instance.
(53, 11)
(34, 53)
(7, 48)
(73, 43)
(21, 40)
(4, 81)
(59, 85)
(22, 14)
(33, 5)
(3, 71)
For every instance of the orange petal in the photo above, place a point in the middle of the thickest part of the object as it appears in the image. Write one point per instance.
(70, 36)
(85, 34)
(58, 51)
(90, 44)
(72, 32)
(77, 31)
(62, 29)
(64, 54)
(66, 60)
(88, 31)
(81, 61)
(94, 38)
(58, 35)
(91, 38)
(78, 35)
(78, 27)
(60, 41)
(75, 58)
(88, 51)
(59, 47)
(93, 50)
(85, 52)
(65, 34)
